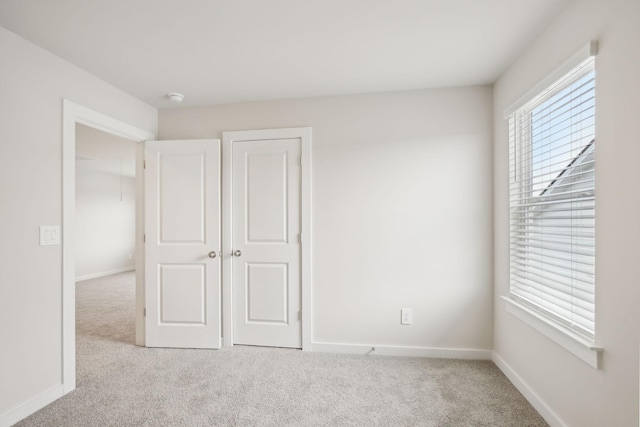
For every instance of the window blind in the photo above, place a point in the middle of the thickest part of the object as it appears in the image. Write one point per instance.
(552, 200)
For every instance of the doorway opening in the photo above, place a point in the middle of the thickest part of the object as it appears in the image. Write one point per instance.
(105, 224)
(74, 114)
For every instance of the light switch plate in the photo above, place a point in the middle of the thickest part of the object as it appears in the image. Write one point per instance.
(49, 235)
(406, 316)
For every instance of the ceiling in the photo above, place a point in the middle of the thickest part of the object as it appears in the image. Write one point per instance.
(99, 151)
(224, 51)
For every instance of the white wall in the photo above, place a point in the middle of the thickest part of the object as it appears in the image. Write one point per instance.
(105, 223)
(578, 394)
(402, 210)
(34, 82)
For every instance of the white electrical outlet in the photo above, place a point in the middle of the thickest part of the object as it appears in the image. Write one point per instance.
(406, 316)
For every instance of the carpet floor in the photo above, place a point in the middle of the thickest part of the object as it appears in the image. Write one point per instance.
(120, 384)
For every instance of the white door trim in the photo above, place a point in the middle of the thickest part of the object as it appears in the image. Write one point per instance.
(304, 134)
(71, 114)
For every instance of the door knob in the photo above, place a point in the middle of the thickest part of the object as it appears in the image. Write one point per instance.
(237, 252)
(212, 254)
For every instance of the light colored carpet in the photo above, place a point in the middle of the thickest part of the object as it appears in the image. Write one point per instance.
(120, 384)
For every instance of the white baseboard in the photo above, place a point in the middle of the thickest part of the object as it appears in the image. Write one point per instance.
(104, 273)
(23, 411)
(388, 350)
(533, 398)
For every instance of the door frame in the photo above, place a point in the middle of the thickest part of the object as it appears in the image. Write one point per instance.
(228, 138)
(72, 114)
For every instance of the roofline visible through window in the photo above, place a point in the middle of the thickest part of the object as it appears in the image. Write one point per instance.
(571, 163)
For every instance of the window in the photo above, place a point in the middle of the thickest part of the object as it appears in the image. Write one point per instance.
(552, 202)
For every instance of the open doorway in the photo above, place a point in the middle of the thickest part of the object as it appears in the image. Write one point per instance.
(105, 203)
(74, 114)
(105, 224)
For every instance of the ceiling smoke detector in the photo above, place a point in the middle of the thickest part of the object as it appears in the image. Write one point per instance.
(175, 97)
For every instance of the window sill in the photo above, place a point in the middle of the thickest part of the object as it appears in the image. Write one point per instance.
(582, 348)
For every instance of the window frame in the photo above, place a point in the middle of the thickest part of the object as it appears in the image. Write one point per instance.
(554, 327)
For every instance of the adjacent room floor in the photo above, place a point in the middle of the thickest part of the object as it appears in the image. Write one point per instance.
(120, 384)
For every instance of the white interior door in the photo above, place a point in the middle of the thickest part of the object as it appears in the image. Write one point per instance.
(182, 227)
(266, 250)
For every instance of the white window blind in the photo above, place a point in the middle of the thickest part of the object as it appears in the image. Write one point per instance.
(552, 201)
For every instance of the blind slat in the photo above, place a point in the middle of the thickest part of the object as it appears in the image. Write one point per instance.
(556, 279)
(581, 268)
(516, 252)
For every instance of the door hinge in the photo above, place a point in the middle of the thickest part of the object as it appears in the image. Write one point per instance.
(144, 312)
(300, 315)
(144, 166)
(300, 161)
(144, 238)
(300, 238)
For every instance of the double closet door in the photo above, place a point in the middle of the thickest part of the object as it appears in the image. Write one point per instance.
(184, 234)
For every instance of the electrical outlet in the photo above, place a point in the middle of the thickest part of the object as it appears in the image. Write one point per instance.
(406, 316)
